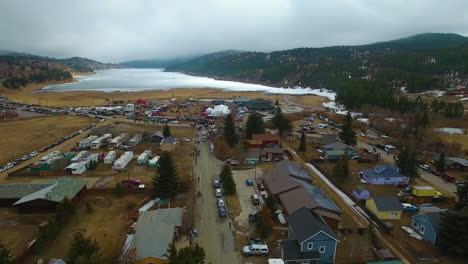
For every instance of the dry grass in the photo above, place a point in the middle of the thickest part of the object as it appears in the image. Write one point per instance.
(459, 139)
(22, 136)
(311, 101)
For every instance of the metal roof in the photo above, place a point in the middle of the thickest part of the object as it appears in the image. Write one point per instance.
(389, 203)
(319, 196)
(19, 190)
(305, 224)
(61, 188)
(360, 189)
(385, 171)
(155, 232)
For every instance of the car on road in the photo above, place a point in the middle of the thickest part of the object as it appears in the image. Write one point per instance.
(253, 216)
(265, 160)
(255, 250)
(426, 205)
(409, 208)
(249, 162)
(220, 203)
(448, 177)
(131, 182)
(218, 192)
(424, 167)
(186, 140)
(222, 213)
(249, 182)
(216, 184)
(255, 199)
(2, 169)
(102, 120)
(33, 154)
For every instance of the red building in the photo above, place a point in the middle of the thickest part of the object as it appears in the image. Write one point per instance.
(8, 115)
(262, 141)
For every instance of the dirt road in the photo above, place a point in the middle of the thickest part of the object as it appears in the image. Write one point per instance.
(214, 234)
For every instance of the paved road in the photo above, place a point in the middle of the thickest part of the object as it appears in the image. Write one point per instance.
(214, 235)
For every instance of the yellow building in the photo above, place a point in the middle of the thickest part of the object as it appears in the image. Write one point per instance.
(385, 208)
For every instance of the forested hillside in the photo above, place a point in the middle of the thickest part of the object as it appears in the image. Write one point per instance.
(19, 69)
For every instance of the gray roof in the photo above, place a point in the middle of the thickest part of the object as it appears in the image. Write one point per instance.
(241, 100)
(385, 171)
(61, 188)
(460, 161)
(253, 153)
(337, 146)
(168, 140)
(292, 251)
(277, 179)
(389, 203)
(304, 224)
(19, 190)
(319, 197)
(155, 232)
(325, 139)
(434, 218)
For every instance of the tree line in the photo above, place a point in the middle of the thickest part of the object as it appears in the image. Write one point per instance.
(37, 77)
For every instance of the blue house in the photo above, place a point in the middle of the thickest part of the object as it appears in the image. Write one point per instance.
(361, 193)
(427, 222)
(310, 239)
(383, 174)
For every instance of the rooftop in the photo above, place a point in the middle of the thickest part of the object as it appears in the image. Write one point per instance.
(61, 188)
(305, 224)
(387, 203)
(386, 171)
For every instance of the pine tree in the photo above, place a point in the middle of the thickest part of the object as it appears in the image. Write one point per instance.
(462, 193)
(277, 102)
(452, 237)
(341, 169)
(227, 180)
(441, 163)
(302, 144)
(281, 122)
(165, 182)
(407, 163)
(264, 222)
(425, 119)
(83, 249)
(166, 131)
(347, 133)
(64, 211)
(229, 131)
(188, 255)
(254, 125)
(6, 257)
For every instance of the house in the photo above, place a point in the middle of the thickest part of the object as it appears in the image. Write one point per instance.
(99, 142)
(325, 139)
(360, 193)
(260, 104)
(384, 208)
(291, 184)
(8, 115)
(252, 155)
(262, 141)
(155, 230)
(452, 163)
(135, 140)
(241, 101)
(218, 101)
(310, 239)
(272, 153)
(10, 193)
(47, 199)
(426, 223)
(168, 144)
(383, 174)
(336, 150)
(157, 137)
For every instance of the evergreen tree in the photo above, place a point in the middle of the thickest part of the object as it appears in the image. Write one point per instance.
(264, 222)
(462, 193)
(441, 163)
(64, 211)
(407, 163)
(341, 169)
(6, 257)
(166, 131)
(452, 237)
(277, 102)
(229, 131)
(188, 255)
(227, 180)
(271, 203)
(281, 122)
(254, 125)
(425, 119)
(302, 144)
(347, 133)
(83, 250)
(435, 106)
(165, 182)
(118, 190)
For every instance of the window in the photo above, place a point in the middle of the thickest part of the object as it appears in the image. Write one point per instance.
(322, 249)
(423, 228)
(310, 245)
(415, 224)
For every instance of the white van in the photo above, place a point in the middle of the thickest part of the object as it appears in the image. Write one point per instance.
(218, 192)
(255, 250)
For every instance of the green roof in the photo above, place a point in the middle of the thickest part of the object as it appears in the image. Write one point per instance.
(61, 188)
(19, 190)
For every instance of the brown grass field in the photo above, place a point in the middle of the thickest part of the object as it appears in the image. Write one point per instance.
(22, 136)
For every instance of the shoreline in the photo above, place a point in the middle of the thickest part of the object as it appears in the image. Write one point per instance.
(31, 94)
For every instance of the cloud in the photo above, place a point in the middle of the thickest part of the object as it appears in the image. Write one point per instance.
(126, 29)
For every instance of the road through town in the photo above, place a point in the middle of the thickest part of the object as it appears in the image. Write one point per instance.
(214, 234)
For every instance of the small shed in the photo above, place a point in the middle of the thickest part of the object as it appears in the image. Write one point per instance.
(154, 163)
(76, 168)
(168, 144)
(361, 193)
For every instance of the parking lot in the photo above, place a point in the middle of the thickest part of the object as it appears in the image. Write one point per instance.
(244, 193)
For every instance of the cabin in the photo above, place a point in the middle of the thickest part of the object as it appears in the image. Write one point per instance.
(8, 115)
(154, 162)
(385, 208)
(361, 193)
(426, 223)
(144, 157)
(383, 174)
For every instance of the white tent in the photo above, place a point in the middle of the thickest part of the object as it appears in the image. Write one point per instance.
(220, 110)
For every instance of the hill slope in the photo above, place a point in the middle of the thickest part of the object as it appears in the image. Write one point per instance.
(418, 63)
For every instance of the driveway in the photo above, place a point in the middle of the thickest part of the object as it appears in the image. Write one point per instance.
(214, 234)
(244, 193)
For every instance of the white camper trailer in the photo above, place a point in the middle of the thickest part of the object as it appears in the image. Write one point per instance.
(110, 157)
(144, 157)
(123, 160)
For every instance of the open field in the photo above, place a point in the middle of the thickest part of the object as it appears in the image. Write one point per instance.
(106, 223)
(22, 136)
(461, 139)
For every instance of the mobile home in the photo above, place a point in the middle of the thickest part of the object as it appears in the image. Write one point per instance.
(81, 156)
(144, 157)
(76, 168)
(99, 142)
(110, 157)
(135, 140)
(86, 143)
(154, 163)
(123, 160)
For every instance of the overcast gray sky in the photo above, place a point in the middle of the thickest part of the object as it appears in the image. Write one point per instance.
(117, 30)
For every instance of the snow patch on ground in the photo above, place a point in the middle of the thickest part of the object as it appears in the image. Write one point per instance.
(363, 120)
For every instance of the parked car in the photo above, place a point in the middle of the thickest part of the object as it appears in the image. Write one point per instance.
(448, 177)
(255, 199)
(249, 162)
(249, 182)
(409, 208)
(426, 205)
(222, 213)
(33, 154)
(265, 160)
(131, 182)
(253, 216)
(400, 184)
(218, 192)
(255, 250)
(220, 203)
(424, 167)
(216, 184)
(2, 169)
